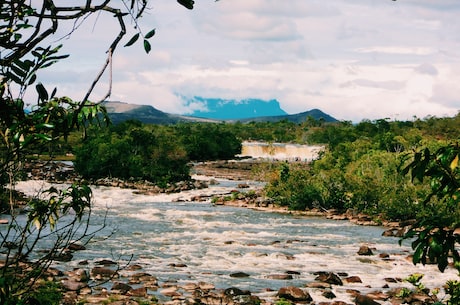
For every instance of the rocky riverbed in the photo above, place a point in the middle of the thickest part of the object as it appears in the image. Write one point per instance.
(108, 282)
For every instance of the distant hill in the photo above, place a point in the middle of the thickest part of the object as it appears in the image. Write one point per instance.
(296, 118)
(120, 111)
(231, 109)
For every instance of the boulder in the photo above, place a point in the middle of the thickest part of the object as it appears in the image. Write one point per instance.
(233, 291)
(102, 272)
(138, 292)
(295, 294)
(328, 294)
(365, 250)
(353, 279)
(329, 277)
(121, 287)
(365, 300)
(78, 275)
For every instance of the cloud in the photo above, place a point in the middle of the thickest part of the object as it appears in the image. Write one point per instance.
(427, 68)
(352, 59)
(397, 50)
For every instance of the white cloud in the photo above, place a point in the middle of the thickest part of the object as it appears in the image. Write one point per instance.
(352, 59)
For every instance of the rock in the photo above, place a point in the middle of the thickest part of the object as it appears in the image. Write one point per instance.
(295, 294)
(239, 274)
(353, 279)
(206, 286)
(102, 272)
(78, 275)
(134, 267)
(233, 291)
(329, 277)
(328, 294)
(388, 233)
(378, 295)
(138, 292)
(365, 250)
(318, 285)
(170, 291)
(280, 277)
(75, 247)
(390, 280)
(122, 287)
(364, 300)
(106, 262)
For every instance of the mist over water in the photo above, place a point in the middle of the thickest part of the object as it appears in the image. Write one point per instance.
(197, 241)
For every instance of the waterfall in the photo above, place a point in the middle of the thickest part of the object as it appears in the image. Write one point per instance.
(280, 151)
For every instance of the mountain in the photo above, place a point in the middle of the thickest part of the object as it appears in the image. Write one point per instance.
(296, 118)
(120, 111)
(225, 109)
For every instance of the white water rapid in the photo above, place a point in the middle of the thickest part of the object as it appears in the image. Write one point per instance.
(209, 243)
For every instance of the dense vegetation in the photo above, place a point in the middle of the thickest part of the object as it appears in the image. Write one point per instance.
(361, 167)
(160, 154)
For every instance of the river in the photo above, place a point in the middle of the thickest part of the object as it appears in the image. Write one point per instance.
(184, 241)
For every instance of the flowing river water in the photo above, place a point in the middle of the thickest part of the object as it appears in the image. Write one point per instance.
(186, 241)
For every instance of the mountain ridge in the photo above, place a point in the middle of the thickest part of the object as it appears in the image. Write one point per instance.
(122, 111)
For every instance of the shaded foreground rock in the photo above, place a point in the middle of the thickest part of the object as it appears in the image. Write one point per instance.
(295, 294)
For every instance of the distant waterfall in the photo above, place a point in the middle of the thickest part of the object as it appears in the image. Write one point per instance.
(280, 151)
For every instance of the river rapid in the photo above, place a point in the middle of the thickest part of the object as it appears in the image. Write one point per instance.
(182, 241)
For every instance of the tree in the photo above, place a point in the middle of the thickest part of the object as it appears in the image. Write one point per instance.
(60, 214)
(437, 235)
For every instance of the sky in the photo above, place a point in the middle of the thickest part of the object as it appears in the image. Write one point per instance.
(352, 59)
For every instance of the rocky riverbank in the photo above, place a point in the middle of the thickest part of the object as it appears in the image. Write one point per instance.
(109, 283)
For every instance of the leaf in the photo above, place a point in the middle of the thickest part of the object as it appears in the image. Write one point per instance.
(150, 34)
(42, 93)
(454, 163)
(147, 46)
(54, 92)
(132, 40)
(32, 79)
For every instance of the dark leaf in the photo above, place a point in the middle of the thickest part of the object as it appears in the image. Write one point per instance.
(42, 93)
(150, 34)
(187, 3)
(132, 40)
(32, 79)
(147, 46)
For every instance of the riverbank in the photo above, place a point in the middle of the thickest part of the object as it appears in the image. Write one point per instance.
(137, 284)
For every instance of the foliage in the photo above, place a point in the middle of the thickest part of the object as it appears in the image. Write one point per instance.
(160, 154)
(293, 186)
(360, 169)
(26, 29)
(131, 150)
(206, 142)
(452, 290)
(436, 238)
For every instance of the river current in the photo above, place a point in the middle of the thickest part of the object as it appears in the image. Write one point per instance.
(186, 241)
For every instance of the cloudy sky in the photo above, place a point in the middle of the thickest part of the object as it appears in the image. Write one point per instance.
(353, 59)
